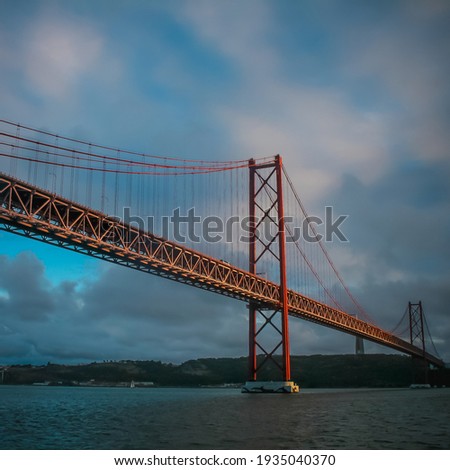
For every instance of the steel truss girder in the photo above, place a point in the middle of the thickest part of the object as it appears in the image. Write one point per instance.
(36, 213)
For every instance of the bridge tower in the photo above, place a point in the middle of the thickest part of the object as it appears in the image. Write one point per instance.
(267, 239)
(417, 337)
(416, 330)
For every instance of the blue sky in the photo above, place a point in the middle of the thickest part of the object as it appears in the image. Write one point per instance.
(353, 94)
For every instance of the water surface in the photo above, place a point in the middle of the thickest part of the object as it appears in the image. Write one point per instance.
(160, 418)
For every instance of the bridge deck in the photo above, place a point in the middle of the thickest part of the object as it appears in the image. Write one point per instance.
(36, 213)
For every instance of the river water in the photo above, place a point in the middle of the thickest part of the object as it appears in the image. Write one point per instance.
(165, 418)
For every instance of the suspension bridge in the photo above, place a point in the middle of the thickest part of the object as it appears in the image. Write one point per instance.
(229, 227)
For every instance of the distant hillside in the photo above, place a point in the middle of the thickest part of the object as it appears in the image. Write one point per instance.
(378, 370)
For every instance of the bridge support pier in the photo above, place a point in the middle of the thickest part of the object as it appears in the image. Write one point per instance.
(419, 373)
(257, 386)
(266, 209)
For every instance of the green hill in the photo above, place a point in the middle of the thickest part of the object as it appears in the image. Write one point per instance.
(377, 370)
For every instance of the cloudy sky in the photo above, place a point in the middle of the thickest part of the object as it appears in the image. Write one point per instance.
(353, 94)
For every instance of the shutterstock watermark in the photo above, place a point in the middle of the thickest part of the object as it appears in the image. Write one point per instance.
(188, 226)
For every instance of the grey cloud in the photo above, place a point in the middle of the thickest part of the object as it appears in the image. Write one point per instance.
(28, 293)
(182, 322)
(401, 220)
(122, 314)
(401, 224)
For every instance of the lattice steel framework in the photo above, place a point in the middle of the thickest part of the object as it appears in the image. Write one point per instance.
(39, 214)
(266, 210)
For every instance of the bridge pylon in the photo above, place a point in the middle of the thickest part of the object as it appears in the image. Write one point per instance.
(267, 240)
(417, 337)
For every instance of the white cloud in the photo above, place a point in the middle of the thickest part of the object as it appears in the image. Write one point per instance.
(319, 134)
(238, 30)
(407, 56)
(429, 9)
(59, 52)
(317, 130)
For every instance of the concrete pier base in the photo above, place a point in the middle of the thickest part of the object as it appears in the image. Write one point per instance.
(270, 387)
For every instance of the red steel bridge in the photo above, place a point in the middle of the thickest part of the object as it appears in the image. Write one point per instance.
(43, 175)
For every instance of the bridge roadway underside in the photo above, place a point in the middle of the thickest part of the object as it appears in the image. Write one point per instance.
(35, 213)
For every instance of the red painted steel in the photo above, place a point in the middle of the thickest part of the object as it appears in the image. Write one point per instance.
(252, 307)
(283, 278)
(269, 179)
